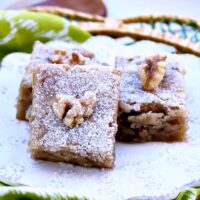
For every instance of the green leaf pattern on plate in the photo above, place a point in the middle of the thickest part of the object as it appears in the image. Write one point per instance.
(20, 29)
(16, 195)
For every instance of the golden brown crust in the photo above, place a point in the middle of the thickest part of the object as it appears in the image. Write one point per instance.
(24, 100)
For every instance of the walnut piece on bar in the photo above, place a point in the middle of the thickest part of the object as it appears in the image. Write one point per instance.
(88, 101)
(49, 54)
(152, 71)
(159, 115)
(96, 89)
(73, 57)
(73, 110)
(58, 56)
(77, 59)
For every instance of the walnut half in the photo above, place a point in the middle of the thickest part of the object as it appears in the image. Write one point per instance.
(73, 110)
(73, 57)
(152, 71)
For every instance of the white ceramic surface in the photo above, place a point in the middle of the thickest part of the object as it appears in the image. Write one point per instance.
(157, 170)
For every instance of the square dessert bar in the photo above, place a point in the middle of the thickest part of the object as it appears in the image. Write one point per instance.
(45, 54)
(74, 114)
(158, 115)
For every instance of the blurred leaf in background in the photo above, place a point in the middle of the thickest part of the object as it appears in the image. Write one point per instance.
(16, 195)
(20, 29)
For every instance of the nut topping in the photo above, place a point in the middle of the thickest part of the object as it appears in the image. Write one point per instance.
(58, 57)
(73, 110)
(85, 53)
(88, 102)
(74, 56)
(77, 59)
(152, 71)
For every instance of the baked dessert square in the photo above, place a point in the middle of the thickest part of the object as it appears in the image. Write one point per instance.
(147, 113)
(74, 114)
(45, 54)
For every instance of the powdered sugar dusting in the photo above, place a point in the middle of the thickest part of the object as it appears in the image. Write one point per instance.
(42, 53)
(94, 138)
(162, 164)
(170, 92)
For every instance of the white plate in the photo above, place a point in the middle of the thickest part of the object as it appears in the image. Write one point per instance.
(157, 170)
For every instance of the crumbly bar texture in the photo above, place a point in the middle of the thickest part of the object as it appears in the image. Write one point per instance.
(158, 115)
(24, 99)
(45, 54)
(56, 135)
